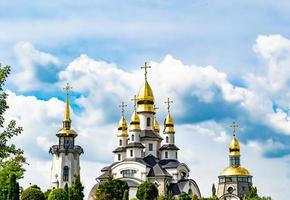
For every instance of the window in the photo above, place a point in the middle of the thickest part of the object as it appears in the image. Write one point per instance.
(119, 156)
(128, 172)
(167, 139)
(235, 161)
(131, 153)
(148, 121)
(176, 155)
(150, 147)
(132, 138)
(120, 142)
(166, 154)
(65, 173)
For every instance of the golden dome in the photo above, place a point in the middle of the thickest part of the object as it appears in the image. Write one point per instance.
(235, 171)
(135, 121)
(169, 124)
(66, 132)
(234, 147)
(145, 99)
(122, 127)
(156, 125)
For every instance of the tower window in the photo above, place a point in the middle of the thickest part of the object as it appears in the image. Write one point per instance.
(120, 142)
(132, 137)
(176, 155)
(119, 156)
(65, 173)
(131, 153)
(148, 121)
(166, 154)
(167, 139)
(150, 147)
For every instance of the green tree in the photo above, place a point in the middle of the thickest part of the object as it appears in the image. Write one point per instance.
(184, 196)
(32, 193)
(147, 191)
(168, 196)
(57, 194)
(11, 157)
(77, 189)
(13, 190)
(112, 189)
(66, 189)
(46, 193)
(213, 190)
(126, 195)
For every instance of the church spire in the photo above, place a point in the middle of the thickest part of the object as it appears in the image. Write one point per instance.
(135, 119)
(234, 148)
(155, 122)
(122, 127)
(168, 123)
(67, 89)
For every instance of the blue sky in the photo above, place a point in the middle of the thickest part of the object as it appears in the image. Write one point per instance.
(231, 60)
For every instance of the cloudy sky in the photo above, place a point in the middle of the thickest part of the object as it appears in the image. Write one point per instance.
(220, 61)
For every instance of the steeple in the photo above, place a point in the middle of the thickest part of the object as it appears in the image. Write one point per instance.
(66, 130)
(234, 148)
(155, 122)
(122, 127)
(135, 119)
(168, 123)
(145, 98)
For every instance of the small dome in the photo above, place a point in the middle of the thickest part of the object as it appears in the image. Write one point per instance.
(234, 147)
(145, 98)
(67, 132)
(235, 171)
(122, 127)
(169, 124)
(135, 121)
(156, 125)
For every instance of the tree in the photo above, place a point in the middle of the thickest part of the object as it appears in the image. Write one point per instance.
(32, 193)
(168, 196)
(11, 157)
(57, 194)
(147, 191)
(46, 193)
(126, 195)
(66, 190)
(253, 195)
(13, 190)
(184, 196)
(112, 189)
(77, 189)
(213, 190)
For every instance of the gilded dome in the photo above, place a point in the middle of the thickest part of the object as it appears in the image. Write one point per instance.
(235, 171)
(156, 125)
(66, 132)
(122, 127)
(135, 121)
(145, 99)
(169, 124)
(234, 147)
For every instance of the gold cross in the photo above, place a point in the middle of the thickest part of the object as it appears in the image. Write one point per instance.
(145, 69)
(168, 102)
(67, 88)
(135, 102)
(122, 106)
(234, 126)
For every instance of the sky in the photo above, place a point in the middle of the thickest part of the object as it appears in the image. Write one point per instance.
(220, 61)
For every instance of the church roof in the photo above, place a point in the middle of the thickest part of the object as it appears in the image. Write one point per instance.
(150, 134)
(119, 149)
(169, 163)
(169, 147)
(157, 170)
(135, 144)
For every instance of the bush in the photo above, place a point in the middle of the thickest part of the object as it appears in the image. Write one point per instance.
(32, 193)
(57, 194)
(184, 196)
(147, 191)
(112, 189)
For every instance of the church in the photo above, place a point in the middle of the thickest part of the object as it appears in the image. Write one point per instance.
(143, 153)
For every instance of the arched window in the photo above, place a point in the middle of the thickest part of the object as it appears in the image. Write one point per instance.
(120, 142)
(166, 154)
(131, 153)
(119, 156)
(148, 121)
(132, 137)
(167, 139)
(65, 173)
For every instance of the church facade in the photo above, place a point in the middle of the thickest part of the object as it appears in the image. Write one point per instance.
(142, 153)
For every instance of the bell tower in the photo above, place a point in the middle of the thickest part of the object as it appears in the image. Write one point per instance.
(65, 162)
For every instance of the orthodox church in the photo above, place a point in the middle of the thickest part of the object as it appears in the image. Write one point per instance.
(142, 153)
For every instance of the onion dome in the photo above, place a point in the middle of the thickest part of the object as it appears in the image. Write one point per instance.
(169, 124)
(235, 171)
(66, 130)
(234, 147)
(156, 125)
(135, 121)
(122, 127)
(145, 99)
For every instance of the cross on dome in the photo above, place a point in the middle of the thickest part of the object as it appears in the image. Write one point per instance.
(168, 102)
(234, 127)
(135, 102)
(145, 69)
(122, 106)
(67, 88)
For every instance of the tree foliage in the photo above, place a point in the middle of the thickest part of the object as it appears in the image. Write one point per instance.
(126, 195)
(13, 190)
(184, 196)
(57, 194)
(112, 189)
(76, 191)
(11, 157)
(32, 193)
(147, 191)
